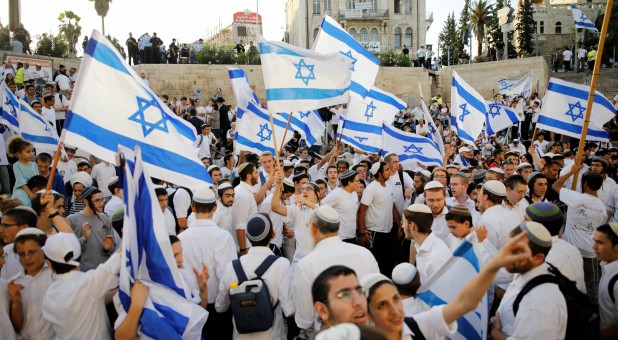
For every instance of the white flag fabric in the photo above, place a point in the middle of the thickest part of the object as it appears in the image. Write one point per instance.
(36, 129)
(410, 147)
(461, 267)
(362, 125)
(564, 110)
(518, 86)
(241, 88)
(308, 123)
(147, 255)
(254, 131)
(499, 117)
(433, 132)
(10, 108)
(581, 20)
(297, 79)
(468, 110)
(112, 106)
(365, 66)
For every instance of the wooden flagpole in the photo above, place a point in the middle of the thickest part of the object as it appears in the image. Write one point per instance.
(287, 127)
(272, 126)
(50, 181)
(593, 86)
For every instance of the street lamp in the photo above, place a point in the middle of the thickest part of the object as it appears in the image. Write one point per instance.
(536, 43)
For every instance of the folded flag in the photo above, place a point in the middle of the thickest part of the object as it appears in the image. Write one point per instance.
(112, 106)
(308, 123)
(518, 86)
(499, 117)
(147, 255)
(10, 107)
(564, 110)
(241, 88)
(410, 147)
(365, 66)
(468, 110)
(36, 129)
(433, 132)
(297, 79)
(254, 131)
(581, 20)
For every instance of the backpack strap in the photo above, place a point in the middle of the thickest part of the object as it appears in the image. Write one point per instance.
(530, 285)
(240, 273)
(403, 187)
(265, 265)
(413, 325)
(610, 287)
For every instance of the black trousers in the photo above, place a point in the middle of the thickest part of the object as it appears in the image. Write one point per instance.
(219, 325)
(385, 249)
(133, 56)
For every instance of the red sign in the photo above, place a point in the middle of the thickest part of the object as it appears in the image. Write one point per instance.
(241, 17)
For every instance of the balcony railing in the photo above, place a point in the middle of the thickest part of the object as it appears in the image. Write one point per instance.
(363, 14)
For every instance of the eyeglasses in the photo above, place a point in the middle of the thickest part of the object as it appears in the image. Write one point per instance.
(8, 225)
(307, 188)
(348, 294)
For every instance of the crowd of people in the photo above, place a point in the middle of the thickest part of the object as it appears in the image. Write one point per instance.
(17, 41)
(342, 240)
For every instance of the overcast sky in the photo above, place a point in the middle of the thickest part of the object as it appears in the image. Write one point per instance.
(185, 20)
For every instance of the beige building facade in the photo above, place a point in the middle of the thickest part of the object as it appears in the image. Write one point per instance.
(380, 25)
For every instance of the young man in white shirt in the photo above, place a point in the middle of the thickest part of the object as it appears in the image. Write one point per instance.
(402, 190)
(163, 200)
(47, 111)
(278, 221)
(498, 220)
(244, 203)
(115, 201)
(345, 201)
(103, 172)
(435, 198)
(516, 188)
(606, 250)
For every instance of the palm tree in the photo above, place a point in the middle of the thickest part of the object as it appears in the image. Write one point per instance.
(480, 15)
(102, 7)
(70, 29)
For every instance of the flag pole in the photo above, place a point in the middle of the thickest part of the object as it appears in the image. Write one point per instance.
(278, 151)
(272, 126)
(593, 86)
(50, 181)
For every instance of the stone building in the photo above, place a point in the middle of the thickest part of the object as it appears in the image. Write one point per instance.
(379, 24)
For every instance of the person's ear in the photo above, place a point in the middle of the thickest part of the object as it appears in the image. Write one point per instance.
(321, 310)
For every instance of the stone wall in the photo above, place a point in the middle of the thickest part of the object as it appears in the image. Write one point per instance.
(56, 61)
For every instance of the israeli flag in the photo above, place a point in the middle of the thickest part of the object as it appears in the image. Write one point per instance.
(468, 110)
(308, 123)
(499, 117)
(564, 110)
(241, 88)
(36, 129)
(581, 20)
(147, 255)
(112, 107)
(518, 86)
(297, 79)
(332, 38)
(410, 147)
(10, 107)
(362, 126)
(461, 267)
(433, 132)
(254, 131)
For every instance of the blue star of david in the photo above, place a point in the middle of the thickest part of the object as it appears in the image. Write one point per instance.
(140, 118)
(494, 110)
(264, 133)
(575, 116)
(304, 114)
(582, 17)
(47, 129)
(299, 74)
(12, 110)
(372, 108)
(361, 139)
(464, 112)
(349, 55)
(412, 149)
(432, 130)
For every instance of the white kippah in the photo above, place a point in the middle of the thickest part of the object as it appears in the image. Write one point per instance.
(212, 167)
(421, 208)
(433, 185)
(288, 182)
(524, 165)
(204, 195)
(496, 169)
(426, 173)
(30, 231)
(225, 186)
(375, 168)
(537, 233)
(495, 187)
(614, 227)
(327, 214)
(404, 273)
(370, 280)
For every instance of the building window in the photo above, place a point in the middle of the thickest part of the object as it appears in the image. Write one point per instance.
(316, 6)
(542, 27)
(353, 32)
(374, 34)
(374, 5)
(408, 41)
(397, 37)
(350, 4)
(397, 6)
(408, 6)
(315, 33)
(558, 27)
(534, 27)
(363, 35)
(327, 6)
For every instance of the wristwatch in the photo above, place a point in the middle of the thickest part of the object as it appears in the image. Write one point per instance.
(52, 215)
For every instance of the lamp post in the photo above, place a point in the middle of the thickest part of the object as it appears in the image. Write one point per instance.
(536, 43)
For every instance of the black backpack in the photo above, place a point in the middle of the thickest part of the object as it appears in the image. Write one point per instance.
(579, 307)
(413, 325)
(252, 310)
(170, 204)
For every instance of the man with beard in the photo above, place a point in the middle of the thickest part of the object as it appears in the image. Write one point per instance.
(244, 203)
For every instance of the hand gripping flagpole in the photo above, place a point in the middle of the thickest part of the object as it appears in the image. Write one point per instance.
(593, 86)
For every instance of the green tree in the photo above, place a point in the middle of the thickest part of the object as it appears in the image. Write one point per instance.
(525, 28)
(449, 39)
(115, 42)
(52, 46)
(102, 7)
(611, 39)
(480, 17)
(463, 28)
(69, 30)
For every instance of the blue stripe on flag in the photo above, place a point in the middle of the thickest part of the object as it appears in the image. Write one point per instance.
(151, 154)
(266, 48)
(584, 24)
(419, 157)
(361, 127)
(39, 139)
(580, 94)
(9, 118)
(358, 88)
(103, 54)
(468, 97)
(386, 99)
(395, 133)
(466, 251)
(249, 143)
(576, 129)
(265, 116)
(465, 136)
(363, 147)
(152, 326)
(302, 93)
(236, 73)
(298, 123)
(178, 321)
(512, 116)
(336, 33)
(463, 325)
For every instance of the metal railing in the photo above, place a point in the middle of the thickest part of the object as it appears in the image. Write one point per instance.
(363, 14)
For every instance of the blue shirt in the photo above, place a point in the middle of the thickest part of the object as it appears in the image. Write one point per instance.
(58, 184)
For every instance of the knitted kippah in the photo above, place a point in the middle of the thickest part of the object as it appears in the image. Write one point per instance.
(543, 212)
(460, 210)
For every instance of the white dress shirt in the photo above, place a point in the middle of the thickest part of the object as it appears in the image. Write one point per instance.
(11, 267)
(412, 306)
(346, 205)
(499, 222)
(430, 256)
(299, 217)
(113, 204)
(35, 326)
(567, 258)
(439, 227)
(276, 219)
(206, 242)
(276, 279)
(75, 305)
(519, 209)
(170, 221)
(327, 253)
(6, 327)
(223, 217)
(608, 310)
(102, 173)
(542, 312)
(244, 207)
(469, 203)
(432, 325)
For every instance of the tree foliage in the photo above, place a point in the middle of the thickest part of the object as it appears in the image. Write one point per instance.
(226, 55)
(52, 46)
(525, 28)
(115, 42)
(69, 29)
(463, 28)
(451, 44)
(390, 58)
(480, 17)
(102, 7)
(611, 39)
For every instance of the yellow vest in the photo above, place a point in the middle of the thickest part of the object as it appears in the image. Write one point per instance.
(19, 77)
(592, 55)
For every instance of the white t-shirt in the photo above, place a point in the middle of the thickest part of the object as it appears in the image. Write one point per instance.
(61, 102)
(346, 205)
(170, 222)
(585, 214)
(379, 200)
(567, 55)
(49, 115)
(64, 83)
